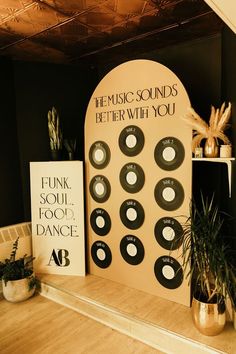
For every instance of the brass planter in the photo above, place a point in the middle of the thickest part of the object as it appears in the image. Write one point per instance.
(209, 319)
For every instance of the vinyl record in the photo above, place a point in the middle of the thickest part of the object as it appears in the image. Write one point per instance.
(168, 272)
(132, 214)
(100, 188)
(169, 153)
(169, 233)
(101, 254)
(100, 221)
(169, 194)
(131, 140)
(131, 249)
(132, 177)
(99, 154)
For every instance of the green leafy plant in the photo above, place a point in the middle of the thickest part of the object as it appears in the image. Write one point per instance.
(54, 130)
(208, 260)
(15, 269)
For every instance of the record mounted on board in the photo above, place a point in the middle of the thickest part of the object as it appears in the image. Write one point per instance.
(100, 188)
(101, 254)
(168, 272)
(169, 194)
(99, 154)
(100, 221)
(132, 214)
(131, 140)
(131, 249)
(169, 233)
(132, 177)
(169, 153)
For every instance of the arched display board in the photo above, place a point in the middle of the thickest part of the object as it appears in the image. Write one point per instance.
(138, 178)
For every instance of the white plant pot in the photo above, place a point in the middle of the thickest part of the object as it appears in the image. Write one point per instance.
(17, 290)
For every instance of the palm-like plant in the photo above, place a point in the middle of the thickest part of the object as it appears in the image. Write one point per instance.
(54, 130)
(16, 269)
(218, 123)
(212, 270)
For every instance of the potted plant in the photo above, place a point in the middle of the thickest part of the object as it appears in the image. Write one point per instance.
(209, 265)
(55, 134)
(218, 123)
(18, 279)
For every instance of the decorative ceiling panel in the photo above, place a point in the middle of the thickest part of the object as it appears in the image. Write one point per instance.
(66, 30)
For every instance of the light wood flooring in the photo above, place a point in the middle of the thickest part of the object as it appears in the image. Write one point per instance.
(173, 318)
(40, 326)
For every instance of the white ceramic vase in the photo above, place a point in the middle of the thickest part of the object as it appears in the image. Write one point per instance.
(17, 290)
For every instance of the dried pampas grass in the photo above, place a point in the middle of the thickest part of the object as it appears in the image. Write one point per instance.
(218, 123)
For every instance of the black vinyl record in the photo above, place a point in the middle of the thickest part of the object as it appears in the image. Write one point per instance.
(100, 221)
(101, 254)
(99, 154)
(168, 272)
(169, 233)
(132, 177)
(132, 250)
(132, 214)
(100, 188)
(169, 194)
(131, 140)
(169, 153)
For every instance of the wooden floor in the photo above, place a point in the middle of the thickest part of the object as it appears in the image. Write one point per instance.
(40, 326)
(170, 316)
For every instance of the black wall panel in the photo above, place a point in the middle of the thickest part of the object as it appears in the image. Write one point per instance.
(11, 202)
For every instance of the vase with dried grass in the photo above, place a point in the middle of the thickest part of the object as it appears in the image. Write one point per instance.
(218, 123)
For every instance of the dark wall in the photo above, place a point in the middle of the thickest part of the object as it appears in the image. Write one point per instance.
(197, 63)
(229, 94)
(38, 88)
(11, 201)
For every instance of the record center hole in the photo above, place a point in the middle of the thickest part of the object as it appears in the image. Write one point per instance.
(100, 222)
(168, 272)
(168, 233)
(99, 155)
(131, 141)
(168, 154)
(131, 178)
(99, 189)
(131, 214)
(168, 194)
(101, 254)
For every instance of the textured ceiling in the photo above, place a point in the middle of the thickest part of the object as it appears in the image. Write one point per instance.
(65, 31)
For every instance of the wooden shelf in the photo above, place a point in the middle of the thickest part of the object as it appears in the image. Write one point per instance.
(228, 161)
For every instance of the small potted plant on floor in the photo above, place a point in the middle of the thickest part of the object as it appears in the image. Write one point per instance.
(18, 279)
(208, 263)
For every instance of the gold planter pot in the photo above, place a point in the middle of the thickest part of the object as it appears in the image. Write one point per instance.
(211, 149)
(209, 319)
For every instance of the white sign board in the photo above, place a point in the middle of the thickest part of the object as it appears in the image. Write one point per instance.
(57, 212)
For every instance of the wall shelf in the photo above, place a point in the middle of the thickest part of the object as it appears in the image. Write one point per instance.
(228, 161)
